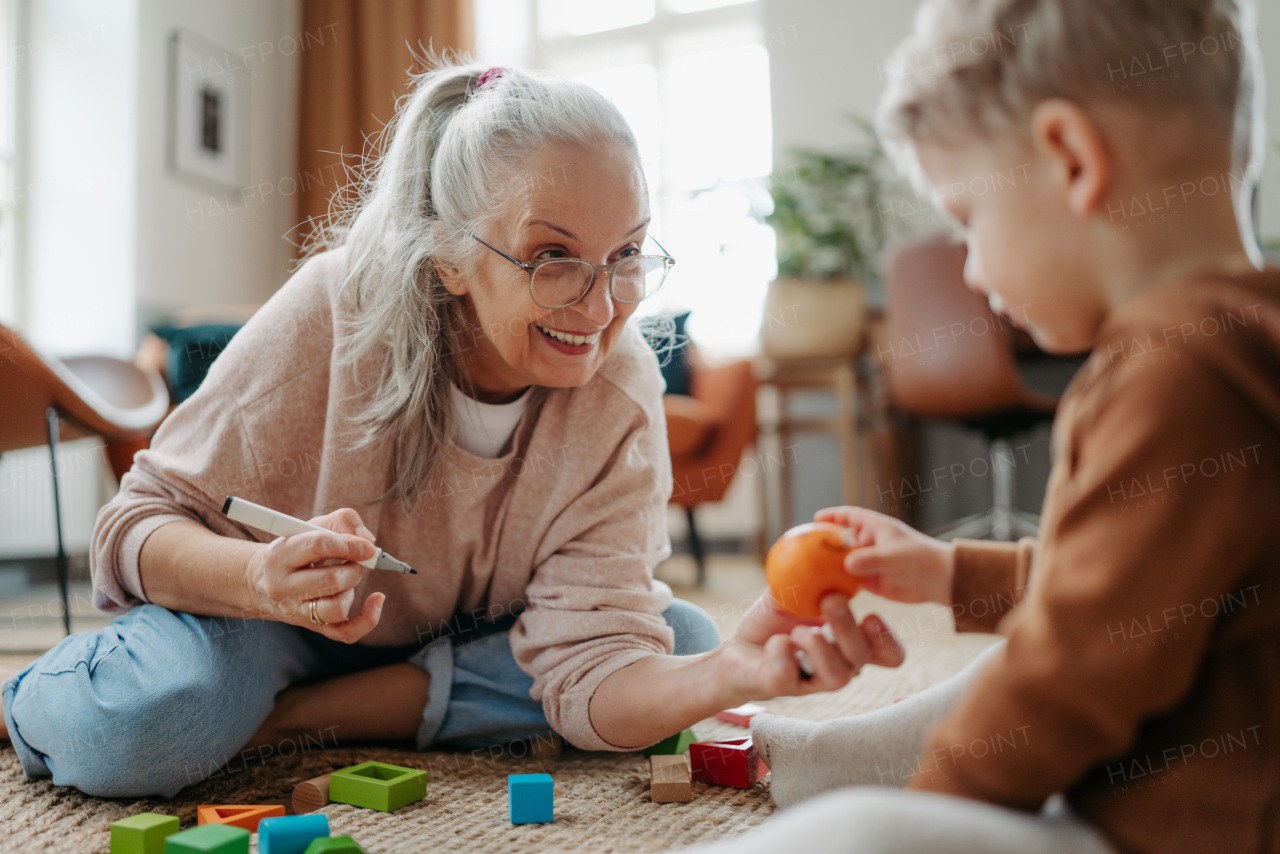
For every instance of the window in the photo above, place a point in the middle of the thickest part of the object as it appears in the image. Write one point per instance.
(692, 78)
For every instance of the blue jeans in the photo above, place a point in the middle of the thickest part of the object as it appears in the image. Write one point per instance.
(159, 700)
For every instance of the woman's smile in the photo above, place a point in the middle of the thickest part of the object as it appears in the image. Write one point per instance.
(569, 342)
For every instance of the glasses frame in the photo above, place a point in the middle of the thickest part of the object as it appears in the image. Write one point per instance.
(531, 267)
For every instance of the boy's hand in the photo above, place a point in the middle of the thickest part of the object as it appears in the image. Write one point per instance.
(759, 661)
(893, 559)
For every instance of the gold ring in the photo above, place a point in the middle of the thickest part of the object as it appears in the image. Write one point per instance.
(315, 617)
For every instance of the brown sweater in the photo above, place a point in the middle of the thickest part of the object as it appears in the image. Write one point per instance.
(565, 527)
(1142, 671)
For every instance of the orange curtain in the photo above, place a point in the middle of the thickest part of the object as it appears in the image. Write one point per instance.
(354, 70)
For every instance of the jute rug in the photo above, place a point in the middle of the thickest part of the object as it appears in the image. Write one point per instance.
(601, 800)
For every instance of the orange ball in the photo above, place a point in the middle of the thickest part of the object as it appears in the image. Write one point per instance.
(806, 564)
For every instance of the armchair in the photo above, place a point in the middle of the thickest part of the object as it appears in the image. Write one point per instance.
(48, 400)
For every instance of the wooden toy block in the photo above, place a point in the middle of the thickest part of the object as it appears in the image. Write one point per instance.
(311, 795)
(241, 815)
(741, 715)
(530, 798)
(290, 834)
(335, 845)
(546, 746)
(733, 762)
(669, 779)
(209, 839)
(143, 833)
(377, 786)
(678, 743)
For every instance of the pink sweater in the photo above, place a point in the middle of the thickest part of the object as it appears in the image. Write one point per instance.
(564, 528)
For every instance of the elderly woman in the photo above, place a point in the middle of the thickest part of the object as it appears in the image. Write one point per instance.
(460, 378)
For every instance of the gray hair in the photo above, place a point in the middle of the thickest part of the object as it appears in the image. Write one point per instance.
(973, 67)
(453, 154)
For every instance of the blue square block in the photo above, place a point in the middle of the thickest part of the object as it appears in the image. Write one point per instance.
(531, 798)
(290, 834)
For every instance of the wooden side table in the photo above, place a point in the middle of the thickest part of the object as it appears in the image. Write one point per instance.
(853, 381)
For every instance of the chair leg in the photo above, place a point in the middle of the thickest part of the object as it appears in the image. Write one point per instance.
(1003, 522)
(695, 546)
(1002, 491)
(51, 419)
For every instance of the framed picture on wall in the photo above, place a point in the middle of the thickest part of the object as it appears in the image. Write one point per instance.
(208, 109)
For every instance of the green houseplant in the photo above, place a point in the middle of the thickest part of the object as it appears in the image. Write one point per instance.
(832, 219)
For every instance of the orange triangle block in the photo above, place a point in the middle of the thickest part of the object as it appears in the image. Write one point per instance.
(238, 815)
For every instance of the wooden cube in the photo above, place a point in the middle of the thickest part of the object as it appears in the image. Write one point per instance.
(741, 715)
(678, 743)
(669, 779)
(530, 798)
(733, 762)
(335, 845)
(143, 833)
(377, 786)
(210, 839)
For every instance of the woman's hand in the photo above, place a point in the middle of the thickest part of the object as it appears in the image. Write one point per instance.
(286, 575)
(893, 559)
(760, 660)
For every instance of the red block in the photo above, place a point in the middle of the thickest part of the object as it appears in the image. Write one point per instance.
(733, 762)
(741, 715)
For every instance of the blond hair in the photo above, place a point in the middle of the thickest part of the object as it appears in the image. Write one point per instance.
(978, 67)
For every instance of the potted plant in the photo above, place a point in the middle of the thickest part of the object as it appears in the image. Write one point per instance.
(828, 212)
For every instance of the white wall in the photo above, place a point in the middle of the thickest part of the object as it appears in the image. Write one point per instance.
(825, 58)
(110, 232)
(198, 244)
(76, 194)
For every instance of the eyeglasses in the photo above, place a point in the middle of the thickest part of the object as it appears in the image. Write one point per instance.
(562, 282)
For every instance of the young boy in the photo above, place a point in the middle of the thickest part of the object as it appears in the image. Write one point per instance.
(1135, 705)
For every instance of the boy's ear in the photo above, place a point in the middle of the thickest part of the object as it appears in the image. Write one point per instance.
(1080, 162)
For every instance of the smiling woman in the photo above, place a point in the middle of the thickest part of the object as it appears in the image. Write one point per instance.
(559, 329)
(460, 366)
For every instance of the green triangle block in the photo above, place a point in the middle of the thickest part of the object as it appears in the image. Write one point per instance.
(335, 845)
(676, 744)
(377, 786)
(209, 839)
(143, 833)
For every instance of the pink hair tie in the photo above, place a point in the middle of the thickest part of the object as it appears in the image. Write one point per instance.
(492, 74)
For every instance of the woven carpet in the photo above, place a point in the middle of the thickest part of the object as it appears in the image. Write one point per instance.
(601, 800)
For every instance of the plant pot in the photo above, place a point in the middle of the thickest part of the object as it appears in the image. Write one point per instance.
(809, 319)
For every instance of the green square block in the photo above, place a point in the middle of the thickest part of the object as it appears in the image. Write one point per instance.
(143, 833)
(335, 845)
(209, 839)
(674, 745)
(377, 786)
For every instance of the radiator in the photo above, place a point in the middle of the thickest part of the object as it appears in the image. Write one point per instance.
(26, 498)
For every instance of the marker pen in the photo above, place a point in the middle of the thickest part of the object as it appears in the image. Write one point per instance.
(275, 522)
